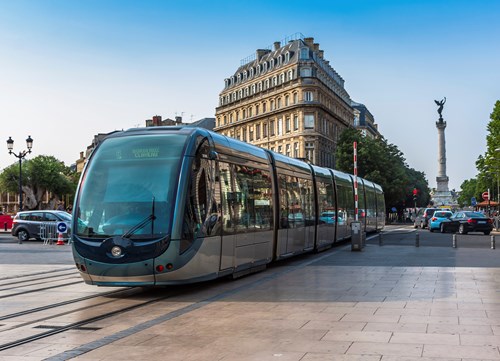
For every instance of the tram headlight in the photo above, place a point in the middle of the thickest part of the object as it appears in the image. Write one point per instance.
(116, 251)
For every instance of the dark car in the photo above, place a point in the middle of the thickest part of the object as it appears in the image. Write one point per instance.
(422, 217)
(27, 224)
(466, 221)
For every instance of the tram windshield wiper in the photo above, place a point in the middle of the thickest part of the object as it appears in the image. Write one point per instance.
(149, 219)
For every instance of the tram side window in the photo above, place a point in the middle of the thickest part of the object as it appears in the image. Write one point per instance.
(326, 203)
(307, 201)
(262, 199)
(284, 205)
(362, 205)
(200, 206)
(291, 207)
(243, 207)
(227, 197)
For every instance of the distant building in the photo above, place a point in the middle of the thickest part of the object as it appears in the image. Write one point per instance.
(288, 99)
(364, 120)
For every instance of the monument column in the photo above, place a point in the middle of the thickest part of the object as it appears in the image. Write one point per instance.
(442, 196)
(441, 179)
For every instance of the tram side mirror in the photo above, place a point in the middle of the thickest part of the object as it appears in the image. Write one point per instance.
(213, 155)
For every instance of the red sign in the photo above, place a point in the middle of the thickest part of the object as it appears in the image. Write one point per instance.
(485, 196)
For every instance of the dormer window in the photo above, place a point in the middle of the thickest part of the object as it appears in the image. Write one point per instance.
(251, 72)
(287, 57)
(226, 82)
(304, 53)
(245, 75)
(239, 78)
(280, 60)
(271, 64)
(265, 67)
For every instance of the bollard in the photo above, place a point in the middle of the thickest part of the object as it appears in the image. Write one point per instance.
(380, 239)
(417, 239)
(454, 240)
(492, 241)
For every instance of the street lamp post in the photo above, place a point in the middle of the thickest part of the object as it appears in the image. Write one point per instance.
(20, 156)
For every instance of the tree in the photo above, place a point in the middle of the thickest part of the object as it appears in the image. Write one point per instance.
(40, 175)
(469, 189)
(384, 164)
(488, 164)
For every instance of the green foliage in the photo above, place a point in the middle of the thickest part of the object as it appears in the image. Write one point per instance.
(40, 175)
(469, 188)
(488, 165)
(384, 164)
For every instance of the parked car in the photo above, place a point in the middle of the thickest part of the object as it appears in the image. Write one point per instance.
(26, 224)
(422, 217)
(437, 218)
(466, 221)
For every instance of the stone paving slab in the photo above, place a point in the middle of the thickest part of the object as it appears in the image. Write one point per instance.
(337, 305)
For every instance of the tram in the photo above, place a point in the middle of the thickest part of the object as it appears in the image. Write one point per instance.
(173, 205)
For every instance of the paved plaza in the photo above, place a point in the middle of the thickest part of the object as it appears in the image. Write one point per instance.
(385, 303)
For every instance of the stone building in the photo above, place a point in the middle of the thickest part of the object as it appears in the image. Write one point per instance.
(288, 99)
(364, 121)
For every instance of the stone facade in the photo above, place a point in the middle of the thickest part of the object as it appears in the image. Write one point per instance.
(289, 100)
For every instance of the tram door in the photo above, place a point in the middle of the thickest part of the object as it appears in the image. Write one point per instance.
(246, 215)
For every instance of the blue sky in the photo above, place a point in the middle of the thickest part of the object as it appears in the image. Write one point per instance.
(72, 69)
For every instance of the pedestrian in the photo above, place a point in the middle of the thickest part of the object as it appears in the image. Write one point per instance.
(60, 206)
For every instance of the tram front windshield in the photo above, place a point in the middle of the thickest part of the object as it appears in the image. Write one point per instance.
(128, 188)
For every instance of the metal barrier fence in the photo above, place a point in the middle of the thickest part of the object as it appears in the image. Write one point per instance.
(49, 233)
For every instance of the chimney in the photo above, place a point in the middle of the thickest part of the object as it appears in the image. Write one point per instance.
(277, 45)
(321, 53)
(309, 42)
(156, 120)
(316, 47)
(261, 53)
(178, 120)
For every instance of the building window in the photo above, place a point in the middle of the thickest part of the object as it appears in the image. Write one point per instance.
(271, 128)
(295, 122)
(287, 57)
(264, 106)
(265, 130)
(280, 126)
(250, 112)
(244, 135)
(225, 119)
(290, 74)
(295, 98)
(271, 64)
(278, 105)
(257, 131)
(231, 118)
(244, 113)
(275, 80)
(287, 101)
(282, 78)
(310, 151)
(304, 53)
(308, 96)
(280, 149)
(305, 72)
(257, 109)
(251, 134)
(287, 125)
(272, 105)
(296, 149)
(288, 150)
(309, 121)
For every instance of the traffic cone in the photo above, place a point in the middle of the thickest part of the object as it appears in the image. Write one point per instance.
(60, 241)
